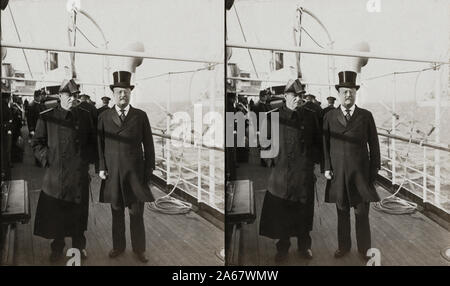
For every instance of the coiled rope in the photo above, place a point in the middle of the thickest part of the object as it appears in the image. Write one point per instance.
(393, 204)
(168, 204)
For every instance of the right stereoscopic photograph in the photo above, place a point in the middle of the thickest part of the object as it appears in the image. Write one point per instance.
(336, 147)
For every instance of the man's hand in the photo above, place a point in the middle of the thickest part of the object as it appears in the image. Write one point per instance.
(103, 174)
(328, 174)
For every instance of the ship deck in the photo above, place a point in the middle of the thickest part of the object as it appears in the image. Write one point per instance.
(177, 240)
(402, 239)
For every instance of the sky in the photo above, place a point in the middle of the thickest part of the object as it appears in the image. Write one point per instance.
(402, 27)
(176, 28)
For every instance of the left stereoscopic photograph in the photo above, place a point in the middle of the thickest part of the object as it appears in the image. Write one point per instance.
(112, 133)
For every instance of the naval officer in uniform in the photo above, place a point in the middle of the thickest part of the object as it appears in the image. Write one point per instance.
(64, 143)
(288, 207)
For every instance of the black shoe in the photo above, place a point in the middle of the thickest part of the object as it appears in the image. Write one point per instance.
(55, 256)
(340, 253)
(115, 252)
(306, 253)
(364, 256)
(141, 257)
(281, 256)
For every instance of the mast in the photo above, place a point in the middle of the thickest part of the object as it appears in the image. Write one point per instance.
(299, 30)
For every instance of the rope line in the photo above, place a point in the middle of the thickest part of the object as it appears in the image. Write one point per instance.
(81, 32)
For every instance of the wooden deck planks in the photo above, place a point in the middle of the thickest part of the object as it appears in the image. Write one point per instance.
(402, 239)
(171, 239)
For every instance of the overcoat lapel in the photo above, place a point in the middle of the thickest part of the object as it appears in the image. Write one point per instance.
(115, 117)
(340, 117)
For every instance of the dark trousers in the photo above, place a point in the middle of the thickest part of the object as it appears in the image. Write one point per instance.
(137, 228)
(78, 241)
(303, 242)
(362, 227)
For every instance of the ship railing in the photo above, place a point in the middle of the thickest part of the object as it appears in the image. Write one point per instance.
(205, 186)
(422, 177)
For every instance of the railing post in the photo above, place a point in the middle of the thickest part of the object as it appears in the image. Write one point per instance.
(199, 173)
(437, 153)
(394, 123)
(168, 131)
(212, 183)
(424, 188)
(212, 166)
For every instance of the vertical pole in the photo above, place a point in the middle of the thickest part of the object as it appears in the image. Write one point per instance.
(437, 124)
(424, 189)
(72, 55)
(299, 70)
(394, 123)
(168, 131)
(212, 183)
(331, 70)
(199, 173)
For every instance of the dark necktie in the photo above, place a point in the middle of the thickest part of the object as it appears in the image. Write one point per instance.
(347, 115)
(122, 114)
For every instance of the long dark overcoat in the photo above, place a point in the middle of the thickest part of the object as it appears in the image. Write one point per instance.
(352, 152)
(127, 153)
(288, 207)
(65, 144)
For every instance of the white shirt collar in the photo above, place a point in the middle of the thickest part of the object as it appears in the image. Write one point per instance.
(126, 109)
(352, 109)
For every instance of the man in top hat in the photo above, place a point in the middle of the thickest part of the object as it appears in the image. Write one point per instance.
(105, 106)
(65, 145)
(127, 160)
(352, 161)
(288, 207)
(331, 100)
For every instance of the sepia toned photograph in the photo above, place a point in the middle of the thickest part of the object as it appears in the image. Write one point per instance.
(339, 151)
(221, 140)
(112, 133)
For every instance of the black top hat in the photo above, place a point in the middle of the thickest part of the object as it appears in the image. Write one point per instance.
(84, 95)
(121, 79)
(331, 98)
(347, 79)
